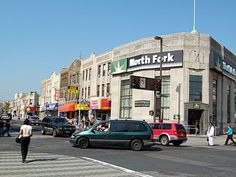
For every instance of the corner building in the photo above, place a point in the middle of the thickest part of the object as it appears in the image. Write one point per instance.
(198, 81)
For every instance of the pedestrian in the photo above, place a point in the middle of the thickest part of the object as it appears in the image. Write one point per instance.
(92, 121)
(196, 127)
(229, 135)
(7, 127)
(210, 134)
(26, 133)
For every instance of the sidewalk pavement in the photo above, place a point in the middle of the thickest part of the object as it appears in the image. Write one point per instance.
(201, 141)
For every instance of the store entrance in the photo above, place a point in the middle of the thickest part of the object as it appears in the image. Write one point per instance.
(195, 115)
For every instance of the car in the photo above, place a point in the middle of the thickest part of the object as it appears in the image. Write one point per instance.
(56, 126)
(169, 132)
(130, 133)
(34, 120)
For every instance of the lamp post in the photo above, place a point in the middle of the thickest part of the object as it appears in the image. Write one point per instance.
(155, 102)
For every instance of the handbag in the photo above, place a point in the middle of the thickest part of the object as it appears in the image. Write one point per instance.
(18, 138)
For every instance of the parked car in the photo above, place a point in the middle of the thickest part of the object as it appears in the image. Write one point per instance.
(130, 133)
(167, 133)
(34, 120)
(56, 126)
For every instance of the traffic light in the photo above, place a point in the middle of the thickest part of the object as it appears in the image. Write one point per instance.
(158, 85)
(134, 82)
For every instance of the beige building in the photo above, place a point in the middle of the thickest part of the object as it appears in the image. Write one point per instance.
(198, 80)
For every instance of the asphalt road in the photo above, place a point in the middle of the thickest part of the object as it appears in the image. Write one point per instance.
(155, 161)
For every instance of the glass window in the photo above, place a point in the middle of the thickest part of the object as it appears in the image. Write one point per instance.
(156, 126)
(86, 74)
(104, 70)
(228, 103)
(137, 127)
(109, 68)
(103, 89)
(98, 90)
(99, 70)
(119, 127)
(108, 89)
(89, 73)
(125, 99)
(195, 88)
(166, 126)
(88, 92)
(214, 101)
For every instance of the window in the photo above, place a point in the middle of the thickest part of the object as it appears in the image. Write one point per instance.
(88, 92)
(89, 73)
(109, 68)
(119, 127)
(85, 93)
(228, 103)
(108, 89)
(104, 70)
(137, 127)
(166, 126)
(82, 92)
(98, 90)
(103, 89)
(195, 88)
(125, 99)
(86, 75)
(165, 98)
(214, 101)
(156, 126)
(99, 70)
(83, 75)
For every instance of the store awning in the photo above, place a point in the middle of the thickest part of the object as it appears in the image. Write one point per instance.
(68, 107)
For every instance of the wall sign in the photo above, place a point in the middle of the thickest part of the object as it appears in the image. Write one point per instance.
(142, 103)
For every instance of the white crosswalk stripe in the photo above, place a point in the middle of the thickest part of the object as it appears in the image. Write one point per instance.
(44, 164)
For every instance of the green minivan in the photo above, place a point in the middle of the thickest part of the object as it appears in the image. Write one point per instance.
(131, 133)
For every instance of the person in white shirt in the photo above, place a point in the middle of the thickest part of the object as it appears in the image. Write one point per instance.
(210, 134)
(25, 133)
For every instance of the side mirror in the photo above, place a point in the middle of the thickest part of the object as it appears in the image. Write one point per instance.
(93, 130)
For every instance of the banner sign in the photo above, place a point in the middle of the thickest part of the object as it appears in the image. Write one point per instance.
(72, 89)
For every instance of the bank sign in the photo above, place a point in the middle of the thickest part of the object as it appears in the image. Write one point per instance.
(148, 61)
(223, 65)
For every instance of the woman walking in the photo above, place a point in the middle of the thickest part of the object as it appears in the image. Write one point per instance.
(26, 133)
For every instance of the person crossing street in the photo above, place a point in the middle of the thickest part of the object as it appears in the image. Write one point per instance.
(229, 135)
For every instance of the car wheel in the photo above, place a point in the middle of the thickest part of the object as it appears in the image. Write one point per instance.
(177, 143)
(54, 133)
(83, 143)
(164, 140)
(43, 131)
(136, 145)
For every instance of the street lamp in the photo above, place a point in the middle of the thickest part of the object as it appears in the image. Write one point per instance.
(155, 102)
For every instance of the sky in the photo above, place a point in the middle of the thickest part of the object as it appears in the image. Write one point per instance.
(38, 37)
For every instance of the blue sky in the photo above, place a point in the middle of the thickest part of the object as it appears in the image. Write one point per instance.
(41, 36)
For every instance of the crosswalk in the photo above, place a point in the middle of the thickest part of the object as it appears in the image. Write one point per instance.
(50, 165)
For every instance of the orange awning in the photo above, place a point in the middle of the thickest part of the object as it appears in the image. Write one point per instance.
(68, 107)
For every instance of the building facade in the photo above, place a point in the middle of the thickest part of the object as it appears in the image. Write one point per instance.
(198, 81)
(50, 93)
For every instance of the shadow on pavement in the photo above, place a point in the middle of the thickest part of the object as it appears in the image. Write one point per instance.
(40, 160)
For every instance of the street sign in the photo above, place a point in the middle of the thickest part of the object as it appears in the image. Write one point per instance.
(72, 89)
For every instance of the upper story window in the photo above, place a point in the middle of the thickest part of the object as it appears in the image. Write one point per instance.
(98, 90)
(99, 70)
(104, 70)
(89, 73)
(86, 75)
(83, 75)
(109, 68)
(195, 88)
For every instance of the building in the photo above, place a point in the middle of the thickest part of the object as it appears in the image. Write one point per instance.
(198, 81)
(50, 93)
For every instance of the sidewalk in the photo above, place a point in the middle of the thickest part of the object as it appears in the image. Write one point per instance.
(201, 141)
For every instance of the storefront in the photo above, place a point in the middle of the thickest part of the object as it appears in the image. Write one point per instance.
(67, 110)
(82, 108)
(100, 107)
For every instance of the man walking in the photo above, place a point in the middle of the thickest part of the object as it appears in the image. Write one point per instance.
(7, 130)
(229, 135)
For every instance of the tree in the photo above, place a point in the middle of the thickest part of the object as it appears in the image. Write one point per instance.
(6, 106)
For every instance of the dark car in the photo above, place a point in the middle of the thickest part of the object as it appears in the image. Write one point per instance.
(131, 133)
(57, 126)
(34, 120)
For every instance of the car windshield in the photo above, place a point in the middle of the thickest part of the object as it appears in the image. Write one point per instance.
(60, 121)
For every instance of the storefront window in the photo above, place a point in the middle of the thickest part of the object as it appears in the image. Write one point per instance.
(195, 88)
(228, 103)
(126, 100)
(214, 101)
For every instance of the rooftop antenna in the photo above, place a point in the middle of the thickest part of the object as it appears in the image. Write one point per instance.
(194, 17)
